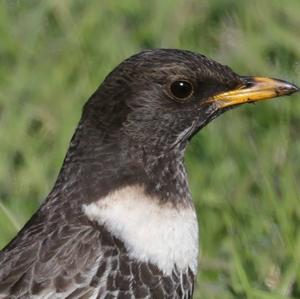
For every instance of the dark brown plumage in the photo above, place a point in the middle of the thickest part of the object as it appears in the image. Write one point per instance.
(132, 133)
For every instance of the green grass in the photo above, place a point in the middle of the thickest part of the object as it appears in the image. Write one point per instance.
(244, 168)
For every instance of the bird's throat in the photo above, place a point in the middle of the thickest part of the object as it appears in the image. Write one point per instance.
(100, 166)
(152, 231)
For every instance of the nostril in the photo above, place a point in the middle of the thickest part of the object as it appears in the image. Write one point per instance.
(248, 82)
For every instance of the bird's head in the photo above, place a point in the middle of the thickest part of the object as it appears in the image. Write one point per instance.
(160, 98)
(135, 127)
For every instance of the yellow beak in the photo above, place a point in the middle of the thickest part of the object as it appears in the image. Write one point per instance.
(255, 89)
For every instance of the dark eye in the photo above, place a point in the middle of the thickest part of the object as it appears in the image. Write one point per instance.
(181, 89)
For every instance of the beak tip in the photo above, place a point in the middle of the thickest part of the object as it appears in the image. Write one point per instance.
(295, 89)
(289, 88)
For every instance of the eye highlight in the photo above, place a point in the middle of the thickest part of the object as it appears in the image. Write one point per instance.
(181, 90)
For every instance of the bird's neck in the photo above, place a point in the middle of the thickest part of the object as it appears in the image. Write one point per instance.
(101, 165)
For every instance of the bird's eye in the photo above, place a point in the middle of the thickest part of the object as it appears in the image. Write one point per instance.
(181, 90)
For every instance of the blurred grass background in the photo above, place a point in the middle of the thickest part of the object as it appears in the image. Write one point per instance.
(244, 168)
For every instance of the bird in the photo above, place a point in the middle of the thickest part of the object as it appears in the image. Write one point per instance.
(120, 221)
